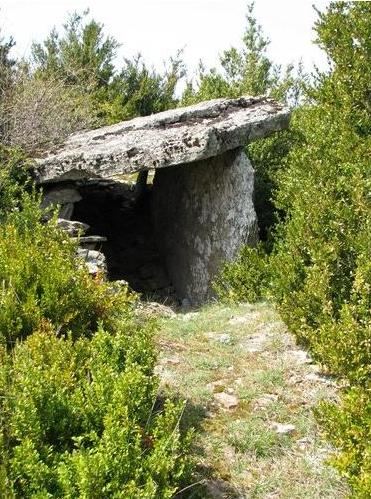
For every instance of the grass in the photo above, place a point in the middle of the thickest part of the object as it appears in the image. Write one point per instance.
(245, 351)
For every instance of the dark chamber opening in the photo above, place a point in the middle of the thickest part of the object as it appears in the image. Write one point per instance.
(122, 213)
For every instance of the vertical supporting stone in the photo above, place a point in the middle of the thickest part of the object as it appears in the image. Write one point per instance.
(203, 212)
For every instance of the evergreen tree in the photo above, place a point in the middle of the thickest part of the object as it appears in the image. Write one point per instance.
(246, 71)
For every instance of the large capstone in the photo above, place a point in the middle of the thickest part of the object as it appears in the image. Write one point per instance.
(175, 137)
(202, 215)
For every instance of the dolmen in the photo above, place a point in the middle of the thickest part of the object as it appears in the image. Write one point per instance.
(202, 195)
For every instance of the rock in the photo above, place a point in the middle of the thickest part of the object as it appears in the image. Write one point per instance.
(239, 320)
(202, 214)
(304, 443)
(226, 400)
(202, 207)
(189, 316)
(154, 309)
(90, 242)
(173, 137)
(186, 304)
(255, 343)
(299, 356)
(63, 196)
(94, 260)
(72, 227)
(265, 400)
(315, 378)
(174, 360)
(283, 429)
(217, 386)
(225, 339)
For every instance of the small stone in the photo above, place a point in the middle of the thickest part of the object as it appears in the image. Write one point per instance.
(315, 378)
(265, 400)
(304, 442)
(186, 304)
(225, 339)
(72, 227)
(94, 260)
(172, 360)
(300, 356)
(283, 429)
(217, 386)
(238, 320)
(226, 400)
(189, 316)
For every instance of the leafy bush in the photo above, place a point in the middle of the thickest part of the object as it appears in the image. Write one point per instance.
(29, 110)
(318, 271)
(78, 419)
(242, 281)
(78, 414)
(348, 428)
(42, 280)
(14, 177)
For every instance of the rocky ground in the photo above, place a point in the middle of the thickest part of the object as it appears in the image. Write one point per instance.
(250, 392)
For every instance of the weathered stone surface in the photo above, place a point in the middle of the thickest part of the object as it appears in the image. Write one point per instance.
(94, 260)
(178, 136)
(72, 227)
(226, 400)
(91, 242)
(202, 215)
(64, 197)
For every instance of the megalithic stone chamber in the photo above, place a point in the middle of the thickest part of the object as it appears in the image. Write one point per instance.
(203, 187)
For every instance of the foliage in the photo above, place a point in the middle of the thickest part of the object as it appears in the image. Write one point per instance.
(78, 419)
(240, 282)
(140, 91)
(42, 281)
(82, 58)
(348, 428)
(31, 107)
(319, 270)
(77, 415)
(71, 75)
(14, 178)
(6, 64)
(247, 71)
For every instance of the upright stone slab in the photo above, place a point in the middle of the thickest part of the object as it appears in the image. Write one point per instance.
(202, 215)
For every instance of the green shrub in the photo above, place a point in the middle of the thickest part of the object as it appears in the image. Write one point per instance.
(244, 278)
(77, 389)
(319, 271)
(14, 177)
(348, 427)
(78, 419)
(41, 279)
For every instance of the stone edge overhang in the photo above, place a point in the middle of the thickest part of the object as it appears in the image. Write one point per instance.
(174, 137)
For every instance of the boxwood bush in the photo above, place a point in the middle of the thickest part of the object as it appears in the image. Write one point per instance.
(318, 271)
(79, 411)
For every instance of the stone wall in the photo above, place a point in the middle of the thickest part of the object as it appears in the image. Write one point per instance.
(202, 214)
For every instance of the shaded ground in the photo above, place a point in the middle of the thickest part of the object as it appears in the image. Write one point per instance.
(250, 393)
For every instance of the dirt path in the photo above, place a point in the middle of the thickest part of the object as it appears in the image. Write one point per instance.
(250, 392)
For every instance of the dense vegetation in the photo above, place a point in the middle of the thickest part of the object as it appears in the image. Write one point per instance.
(79, 416)
(73, 343)
(316, 263)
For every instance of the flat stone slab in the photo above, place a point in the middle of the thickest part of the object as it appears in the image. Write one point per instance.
(174, 137)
